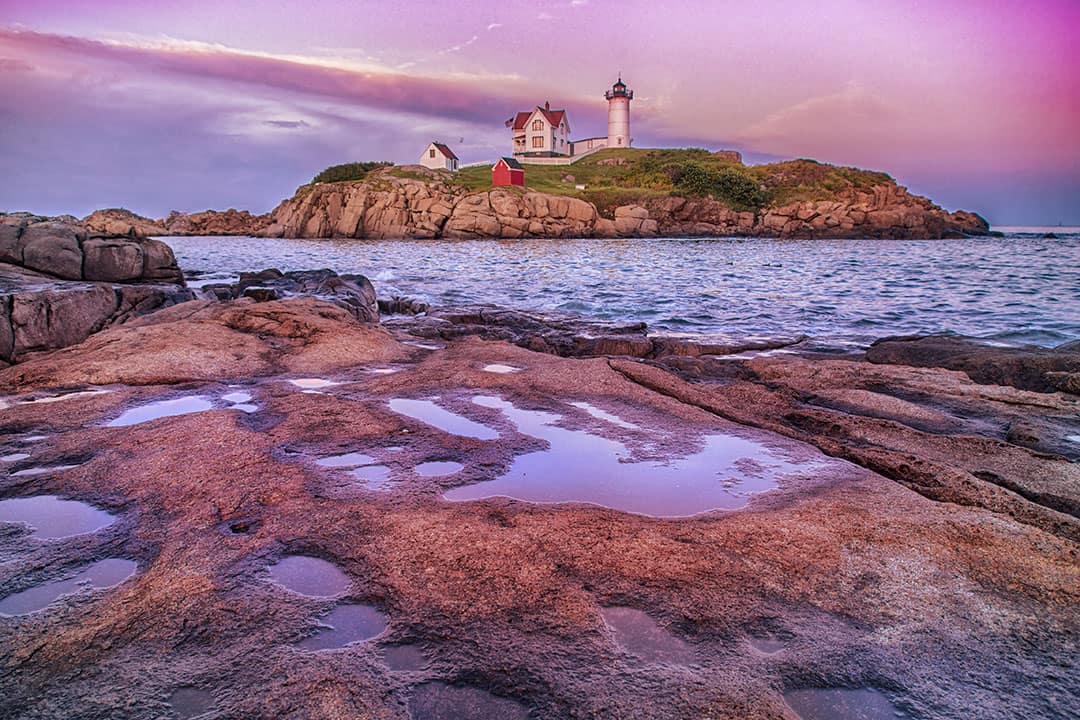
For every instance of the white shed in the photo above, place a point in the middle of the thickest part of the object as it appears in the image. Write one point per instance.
(438, 156)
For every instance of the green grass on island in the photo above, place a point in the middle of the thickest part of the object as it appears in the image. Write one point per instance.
(631, 175)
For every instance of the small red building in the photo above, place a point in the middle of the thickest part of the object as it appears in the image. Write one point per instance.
(507, 171)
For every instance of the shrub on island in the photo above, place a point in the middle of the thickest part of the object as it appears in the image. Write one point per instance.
(348, 172)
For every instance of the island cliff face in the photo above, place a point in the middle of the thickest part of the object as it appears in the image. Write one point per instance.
(426, 204)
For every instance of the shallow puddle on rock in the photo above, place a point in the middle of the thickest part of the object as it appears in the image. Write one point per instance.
(245, 407)
(162, 408)
(438, 468)
(426, 411)
(189, 702)
(1073, 438)
(309, 576)
(769, 646)
(376, 477)
(52, 517)
(501, 369)
(63, 396)
(346, 624)
(237, 397)
(43, 470)
(639, 634)
(14, 457)
(841, 704)
(345, 461)
(404, 658)
(102, 574)
(313, 383)
(586, 468)
(439, 701)
(605, 415)
(385, 371)
(423, 345)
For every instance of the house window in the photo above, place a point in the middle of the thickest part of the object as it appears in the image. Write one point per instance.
(431, 152)
(538, 124)
(538, 142)
(620, 141)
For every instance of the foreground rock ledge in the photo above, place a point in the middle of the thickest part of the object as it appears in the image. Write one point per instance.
(939, 567)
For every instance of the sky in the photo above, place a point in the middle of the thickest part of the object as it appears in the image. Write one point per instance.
(188, 105)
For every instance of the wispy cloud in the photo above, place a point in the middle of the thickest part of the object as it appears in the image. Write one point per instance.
(288, 124)
(492, 26)
(466, 96)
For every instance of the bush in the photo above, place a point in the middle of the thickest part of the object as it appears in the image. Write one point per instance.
(728, 184)
(348, 172)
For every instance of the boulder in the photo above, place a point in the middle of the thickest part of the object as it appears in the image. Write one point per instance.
(112, 260)
(53, 248)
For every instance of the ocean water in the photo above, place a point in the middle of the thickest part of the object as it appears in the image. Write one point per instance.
(1021, 288)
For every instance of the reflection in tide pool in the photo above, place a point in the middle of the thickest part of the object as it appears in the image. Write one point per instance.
(841, 704)
(501, 369)
(640, 635)
(310, 576)
(345, 461)
(586, 468)
(438, 468)
(428, 412)
(376, 477)
(313, 383)
(605, 415)
(102, 574)
(162, 408)
(51, 517)
(346, 623)
(769, 646)
(42, 470)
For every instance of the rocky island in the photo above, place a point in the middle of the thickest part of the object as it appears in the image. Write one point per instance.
(609, 194)
(289, 499)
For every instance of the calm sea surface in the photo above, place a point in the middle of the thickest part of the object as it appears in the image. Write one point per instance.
(1020, 288)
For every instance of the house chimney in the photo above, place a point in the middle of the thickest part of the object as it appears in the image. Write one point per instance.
(547, 105)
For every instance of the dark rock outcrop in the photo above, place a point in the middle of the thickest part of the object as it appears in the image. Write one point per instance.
(354, 293)
(1027, 367)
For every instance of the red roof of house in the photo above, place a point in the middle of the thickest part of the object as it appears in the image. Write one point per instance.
(445, 151)
(555, 117)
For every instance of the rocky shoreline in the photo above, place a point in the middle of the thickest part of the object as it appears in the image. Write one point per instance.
(922, 552)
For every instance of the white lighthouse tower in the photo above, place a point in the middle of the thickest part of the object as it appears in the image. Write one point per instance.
(618, 115)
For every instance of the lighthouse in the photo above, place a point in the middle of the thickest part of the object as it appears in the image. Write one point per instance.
(618, 115)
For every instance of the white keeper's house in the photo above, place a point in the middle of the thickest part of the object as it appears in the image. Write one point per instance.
(438, 156)
(545, 133)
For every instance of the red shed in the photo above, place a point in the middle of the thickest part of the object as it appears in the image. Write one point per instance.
(508, 171)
